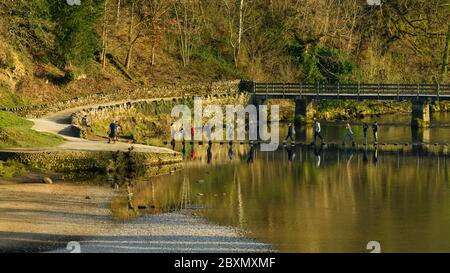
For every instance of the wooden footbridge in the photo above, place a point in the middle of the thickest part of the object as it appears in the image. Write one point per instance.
(305, 94)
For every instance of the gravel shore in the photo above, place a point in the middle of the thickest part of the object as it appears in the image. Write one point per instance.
(36, 217)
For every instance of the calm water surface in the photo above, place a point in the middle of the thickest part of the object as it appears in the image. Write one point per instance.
(303, 200)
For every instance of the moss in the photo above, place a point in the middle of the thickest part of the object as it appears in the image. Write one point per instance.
(11, 168)
(101, 162)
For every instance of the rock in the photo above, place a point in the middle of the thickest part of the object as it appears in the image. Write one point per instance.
(47, 180)
(87, 197)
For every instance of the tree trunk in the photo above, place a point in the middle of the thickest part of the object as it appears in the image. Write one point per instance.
(241, 26)
(128, 61)
(445, 58)
(153, 54)
(104, 35)
(130, 38)
(118, 12)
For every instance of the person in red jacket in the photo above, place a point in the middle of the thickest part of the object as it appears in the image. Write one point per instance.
(192, 132)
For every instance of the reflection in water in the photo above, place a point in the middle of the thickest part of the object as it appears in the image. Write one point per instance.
(315, 203)
(349, 154)
(230, 152)
(317, 152)
(192, 151)
(183, 149)
(290, 152)
(251, 154)
(375, 157)
(209, 153)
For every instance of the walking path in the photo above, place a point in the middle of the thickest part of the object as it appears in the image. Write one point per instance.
(60, 124)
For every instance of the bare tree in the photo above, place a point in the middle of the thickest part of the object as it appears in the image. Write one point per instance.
(445, 59)
(104, 34)
(186, 21)
(118, 12)
(156, 11)
(236, 29)
(137, 26)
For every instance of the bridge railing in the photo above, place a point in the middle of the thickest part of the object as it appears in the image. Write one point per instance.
(400, 90)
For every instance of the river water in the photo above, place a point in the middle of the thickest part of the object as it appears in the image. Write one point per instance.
(301, 199)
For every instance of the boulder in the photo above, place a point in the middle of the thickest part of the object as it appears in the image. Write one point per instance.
(47, 180)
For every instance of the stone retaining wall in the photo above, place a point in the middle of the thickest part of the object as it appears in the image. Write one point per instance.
(92, 161)
(200, 89)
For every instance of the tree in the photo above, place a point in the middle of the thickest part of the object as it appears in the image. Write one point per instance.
(104, 34)
(236, 26)
(156, 11)
(445, 58)
(118, 12)
(76, 38)
(186, 21)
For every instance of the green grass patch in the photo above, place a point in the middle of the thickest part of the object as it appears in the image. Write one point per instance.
(9, 100)
(16, 132)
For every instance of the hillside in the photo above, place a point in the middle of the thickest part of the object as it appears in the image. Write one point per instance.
(50, 50)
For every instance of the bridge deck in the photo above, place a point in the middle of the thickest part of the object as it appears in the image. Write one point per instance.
(421, 92)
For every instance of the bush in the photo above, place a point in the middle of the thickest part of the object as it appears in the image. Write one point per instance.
(11, 168)
(76, 38)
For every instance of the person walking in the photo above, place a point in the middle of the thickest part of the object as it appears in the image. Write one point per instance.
(113, 132)
(375, 132)
(291, 132)
(85, 122)
(317, 130)
(365, 129)
(192, 132)
(172, 132)
(208, 131)
(348, 134)
(118, 130)
(183, 133)
(231, 133)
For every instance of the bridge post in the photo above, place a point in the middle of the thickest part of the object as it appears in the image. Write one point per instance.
(304, 111)
(420, 135)
(257, 101)
(420, 114)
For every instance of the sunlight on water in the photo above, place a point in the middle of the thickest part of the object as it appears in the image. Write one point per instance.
(301, 199)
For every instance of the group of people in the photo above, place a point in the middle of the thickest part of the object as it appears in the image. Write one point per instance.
(208, 129)
(113, 132)
(349, 135)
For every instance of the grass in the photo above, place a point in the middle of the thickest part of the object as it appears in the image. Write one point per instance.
(11, 168)
(16, 132)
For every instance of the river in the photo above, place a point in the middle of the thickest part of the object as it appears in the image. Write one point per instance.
(301, 199)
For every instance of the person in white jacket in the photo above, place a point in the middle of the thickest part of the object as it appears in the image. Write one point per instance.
(348, 134)
(317, 130)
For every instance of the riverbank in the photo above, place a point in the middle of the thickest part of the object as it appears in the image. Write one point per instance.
(36, 217)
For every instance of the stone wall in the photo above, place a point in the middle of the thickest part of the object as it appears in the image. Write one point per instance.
(89, 161)
(146, 114)
(172, 91)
